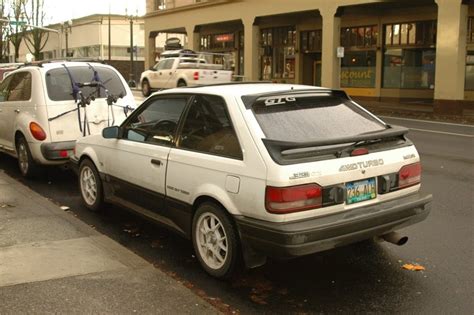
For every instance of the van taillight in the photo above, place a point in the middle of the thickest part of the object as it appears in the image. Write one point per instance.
(196, 75)
(37, 132)
(409, 175)
(292, 199)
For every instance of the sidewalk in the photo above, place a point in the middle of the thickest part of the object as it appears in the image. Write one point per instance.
(415, 110)
(51, 262)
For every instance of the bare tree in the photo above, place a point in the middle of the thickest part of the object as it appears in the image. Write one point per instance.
(17, 31)
(3, 33)
(35, 39)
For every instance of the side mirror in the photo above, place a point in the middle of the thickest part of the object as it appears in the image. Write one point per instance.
(152, 68)
(111, 132)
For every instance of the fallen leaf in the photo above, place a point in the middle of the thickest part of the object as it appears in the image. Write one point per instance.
(413, 267)
(65, 208)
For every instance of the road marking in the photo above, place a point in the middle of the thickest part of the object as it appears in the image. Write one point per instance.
(443, 133)
(427, 121)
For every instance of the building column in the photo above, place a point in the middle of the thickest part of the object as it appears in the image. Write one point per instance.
(150, 50)
(330, 71)
(192, 38)
(251, 35)
(450, 56)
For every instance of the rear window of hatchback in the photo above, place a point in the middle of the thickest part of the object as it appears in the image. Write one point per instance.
(59, 82)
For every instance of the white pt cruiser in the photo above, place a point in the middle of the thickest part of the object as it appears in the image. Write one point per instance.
(256, 170)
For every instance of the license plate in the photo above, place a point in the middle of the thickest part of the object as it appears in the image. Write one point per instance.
(360, 190)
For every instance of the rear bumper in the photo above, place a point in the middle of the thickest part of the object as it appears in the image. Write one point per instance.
(51, 151)
(293, 239)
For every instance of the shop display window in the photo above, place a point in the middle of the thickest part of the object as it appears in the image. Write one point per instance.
(278, 53)
(358, 69)
(409, 68)
(411, 34)
(360, 36)
(469, 83)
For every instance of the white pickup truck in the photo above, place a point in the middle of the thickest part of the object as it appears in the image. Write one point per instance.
(183, 69)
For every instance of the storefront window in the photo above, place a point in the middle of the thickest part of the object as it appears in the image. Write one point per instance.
(358, 64)
(361, 36)
(358, 69)
(409, 55)
(411, 34)
(278, 53)
(311, 41)
(217, 42)
(409, 68)
(469, 83)
(470, 30)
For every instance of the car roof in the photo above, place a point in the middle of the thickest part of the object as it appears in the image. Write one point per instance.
(240, 89)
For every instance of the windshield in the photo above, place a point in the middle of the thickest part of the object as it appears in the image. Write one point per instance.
(59, 84)
(306, 118)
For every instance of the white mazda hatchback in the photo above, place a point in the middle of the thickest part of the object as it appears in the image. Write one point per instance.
(257, 170)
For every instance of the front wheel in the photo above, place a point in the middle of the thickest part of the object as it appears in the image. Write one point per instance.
(90, 185)
(26, 164)
(146, 89)
(215, 240)
(181, 83)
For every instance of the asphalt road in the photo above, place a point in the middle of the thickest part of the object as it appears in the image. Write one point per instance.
(366, 277)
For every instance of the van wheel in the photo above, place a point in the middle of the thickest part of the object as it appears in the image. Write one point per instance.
(90, 185)
(215, 240)
(181, 83)
(146, 89)
(26, 164)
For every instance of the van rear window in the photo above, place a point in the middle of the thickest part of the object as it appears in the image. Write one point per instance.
(59, 85)
(305, 118)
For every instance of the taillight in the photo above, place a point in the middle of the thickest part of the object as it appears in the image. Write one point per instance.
(359, 151)
(196, 75)
(409, 175)
(37, 132)
(292, 199)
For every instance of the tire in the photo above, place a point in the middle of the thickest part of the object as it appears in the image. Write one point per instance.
(90, 186)
(146, 89)
(215, 240)
(181, 83)
(26, 164)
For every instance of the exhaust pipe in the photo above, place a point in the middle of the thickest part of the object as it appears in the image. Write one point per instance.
(395, 238)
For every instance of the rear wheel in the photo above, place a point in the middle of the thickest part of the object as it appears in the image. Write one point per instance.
(146, 89)
(215, 240)
(90, 185)
(26, 164)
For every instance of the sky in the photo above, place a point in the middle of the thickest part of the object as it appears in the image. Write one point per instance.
(63, 10)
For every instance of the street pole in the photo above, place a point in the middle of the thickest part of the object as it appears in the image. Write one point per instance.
(110, 38)
(132, 81)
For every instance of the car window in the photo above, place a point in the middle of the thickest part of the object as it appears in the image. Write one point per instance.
(167, 64)
(20, 87)
(59, 85)
(156, 122)
(159, 65)
(4, 89)
(207, 128)
(308, 118)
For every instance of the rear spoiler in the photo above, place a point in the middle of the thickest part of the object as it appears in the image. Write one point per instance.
(253, 99)
(281, 149)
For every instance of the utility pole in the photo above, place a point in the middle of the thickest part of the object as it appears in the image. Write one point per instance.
(110, 37)
(131, 81)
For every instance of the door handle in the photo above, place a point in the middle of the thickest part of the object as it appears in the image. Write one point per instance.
(160, 73)
(156, 162)
(17, 111)
(171, 73)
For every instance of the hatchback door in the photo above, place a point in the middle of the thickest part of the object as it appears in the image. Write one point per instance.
(68, 120)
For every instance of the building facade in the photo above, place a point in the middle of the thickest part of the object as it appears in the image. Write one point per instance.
(385, 49)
